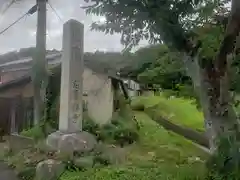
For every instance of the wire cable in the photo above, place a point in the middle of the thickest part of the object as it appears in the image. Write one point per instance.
(54, 10)
(15, 22)
(29, 12)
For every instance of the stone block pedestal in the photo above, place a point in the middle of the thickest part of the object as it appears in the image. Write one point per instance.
(71, 142)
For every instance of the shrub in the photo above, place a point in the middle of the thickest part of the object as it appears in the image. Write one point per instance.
(125, 136)
(224, 164)
(36, 133)
(90, 126)
(121, 130)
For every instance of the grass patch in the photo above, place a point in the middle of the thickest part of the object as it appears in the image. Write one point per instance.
(180, 111)
(158, 154)
(122, 130)
(36, 133)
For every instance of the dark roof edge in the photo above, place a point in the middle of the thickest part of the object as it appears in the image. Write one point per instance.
(20, 81)
(27, 78)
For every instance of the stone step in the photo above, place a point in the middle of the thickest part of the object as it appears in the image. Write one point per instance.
(6, 173)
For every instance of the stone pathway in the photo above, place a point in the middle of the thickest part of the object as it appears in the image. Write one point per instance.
(6, 173)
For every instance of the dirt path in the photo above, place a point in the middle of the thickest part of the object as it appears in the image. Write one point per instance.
(6, 173)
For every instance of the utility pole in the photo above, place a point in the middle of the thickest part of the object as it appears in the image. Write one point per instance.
(39, 67)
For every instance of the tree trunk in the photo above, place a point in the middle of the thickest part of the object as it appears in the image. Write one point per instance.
(211, 80)
(215, 99)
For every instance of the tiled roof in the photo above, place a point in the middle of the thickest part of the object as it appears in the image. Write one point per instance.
(52, 59)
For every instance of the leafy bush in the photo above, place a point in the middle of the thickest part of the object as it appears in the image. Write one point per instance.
(36, 133)
(121, 130)
(124, 131)
(90, 126)
(224, 164)
(54, 113)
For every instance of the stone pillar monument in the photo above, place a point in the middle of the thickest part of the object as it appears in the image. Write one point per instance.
(70, 119)
(70, 136)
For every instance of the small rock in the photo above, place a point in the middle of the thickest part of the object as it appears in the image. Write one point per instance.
(113, 154)
(42, 147)
(194, 159)
(84, 162)
(69, 143)
(77, 142)
(49, 170)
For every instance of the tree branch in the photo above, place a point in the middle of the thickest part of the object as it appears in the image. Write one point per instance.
(228, 43)
(89, 6)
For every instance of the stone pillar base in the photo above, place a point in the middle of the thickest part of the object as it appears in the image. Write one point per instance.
(71, 142)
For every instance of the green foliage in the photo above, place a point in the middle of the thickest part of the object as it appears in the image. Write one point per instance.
(24, 162)
(224, 163)
(159, 65)
(123, 128)
(158, 154)
(173, 21)
(123, 131)
(211, 38)
(180, 111)
(27, 173)
(36, 133)
(107, 61)
(131, 18)
(120, 131)
(90, 126)
(137, 106)
(54, 113)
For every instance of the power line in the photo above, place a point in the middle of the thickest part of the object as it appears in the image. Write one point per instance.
(15, 22)
(54, 10)
(29, 12)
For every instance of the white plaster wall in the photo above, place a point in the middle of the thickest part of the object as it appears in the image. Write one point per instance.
(99, 96)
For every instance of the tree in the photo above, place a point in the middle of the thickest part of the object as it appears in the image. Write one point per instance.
(178, 24)
(156, 64)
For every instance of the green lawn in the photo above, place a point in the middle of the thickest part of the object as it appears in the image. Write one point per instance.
(178, 110)
(159, 155)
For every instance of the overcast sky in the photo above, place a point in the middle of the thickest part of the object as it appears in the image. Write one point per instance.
(23, 34)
